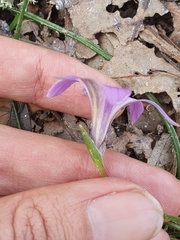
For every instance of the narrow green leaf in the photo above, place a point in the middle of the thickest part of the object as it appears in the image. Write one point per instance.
(16, 115)
(13, 23)
(173, 225)
(174, 234)
(17, 22)
(20, 19)
(93, 151)
(67, 33)
(172, 218)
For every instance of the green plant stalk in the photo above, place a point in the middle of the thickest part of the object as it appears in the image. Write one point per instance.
(174, 234)
(17, 21)
(93, 151)
(172, 133)
(172, 218)
(20, 19)
(174, 222)
(173, 225)
(173, 237)
(16, 115)
(67, 33)
(13, 23)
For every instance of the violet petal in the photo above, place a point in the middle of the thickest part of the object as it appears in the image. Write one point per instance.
(61, 85)
(135, 110)
(161, 111)
(115, 94)
(107, 109)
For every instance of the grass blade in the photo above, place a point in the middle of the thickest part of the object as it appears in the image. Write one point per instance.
(16, 115)
(67, 33)
(20, 19)
(13, 23)
(172, 218)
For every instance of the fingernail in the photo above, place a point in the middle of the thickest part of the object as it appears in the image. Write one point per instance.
(127, 215)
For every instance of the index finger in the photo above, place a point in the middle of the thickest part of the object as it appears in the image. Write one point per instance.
(27, 73)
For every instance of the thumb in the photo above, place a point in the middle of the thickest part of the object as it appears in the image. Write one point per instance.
(100, 209)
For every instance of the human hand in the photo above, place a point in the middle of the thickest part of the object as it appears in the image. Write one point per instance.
(41, 195)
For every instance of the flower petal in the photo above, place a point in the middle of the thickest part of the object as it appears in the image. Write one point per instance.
(112, 102)
(135, 110)
(96, 97)
(61, 85)
(114, 94)
(161, 111)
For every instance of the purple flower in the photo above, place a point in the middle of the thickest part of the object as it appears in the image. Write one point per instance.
(105, 101)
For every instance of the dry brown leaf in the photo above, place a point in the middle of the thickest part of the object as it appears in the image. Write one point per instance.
(91, 17)
(135, 57)
(52, 128)
(135, 140)
(29, 26)
(155, 83)
(150, 35)
(162, 155)
(139, 143)
(5, 109)
(175, 11)
(61, 4)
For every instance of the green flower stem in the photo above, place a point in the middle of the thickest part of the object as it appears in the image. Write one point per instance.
(17, 22)
(172, 133)
(173, 222)
(16, 115)
(67, 33)
(93, 151)
(20, 19)
(173, 225)
(172, 218)
(13, 23)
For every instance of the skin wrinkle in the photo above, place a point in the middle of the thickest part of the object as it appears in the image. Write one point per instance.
(43, 221)
(32, 209)
(13, 223)
(58, 215)
(28, 208)
(11, 213)
(67, 212)
(14, 215)
(62, 218)
(31, 229)
(40, 80)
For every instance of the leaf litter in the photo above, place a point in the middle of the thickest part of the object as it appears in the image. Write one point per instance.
(144, 38)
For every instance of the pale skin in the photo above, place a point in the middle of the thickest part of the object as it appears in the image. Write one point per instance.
(41, 196)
